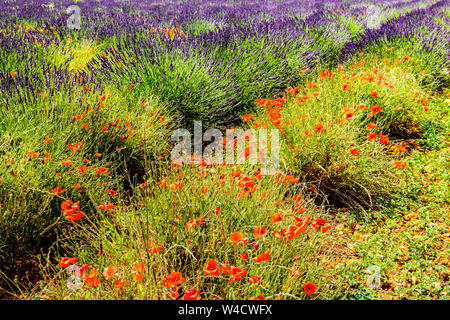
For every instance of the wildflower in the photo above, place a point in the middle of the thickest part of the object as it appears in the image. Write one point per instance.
(255, 245)
(119, 284)
(176, 186)
(66, 261)
(349, 115)
(73, 216)
(137, 271)
(254, 279)
(47, 157)
(372, 136)
(111, 192)
(371, 126)
(191, 294)
(277, 217)
(33, 154)
(193, 223)
(247, 117)
(260, 297)
(57, 190)
(302, 221)
(101, 170)
(81, 270)
(152, 250)
(106, 206)
(48, 140)
(237, 274)
(91, 278)
(321, 224)
(76, 146)
(309, 288)
(399, 148)
(373, 94)
(83, 169)
(66, 162)
(70, 210)
(262, 257)
(173, 279)
(236, 238)
(375, 109)
(354, 151)
(243, 256)
(211, 268)
(319, 128)
(384, 139)
(399, 165)
(259, 231)
(291, 179)
(246, 183)
(297, 198)
(110, 272)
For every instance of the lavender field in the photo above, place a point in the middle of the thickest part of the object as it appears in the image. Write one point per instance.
(337, 113)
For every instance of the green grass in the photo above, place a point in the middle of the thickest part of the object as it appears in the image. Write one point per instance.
(380, 213)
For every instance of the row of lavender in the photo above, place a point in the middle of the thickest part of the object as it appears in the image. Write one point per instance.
(209, 60)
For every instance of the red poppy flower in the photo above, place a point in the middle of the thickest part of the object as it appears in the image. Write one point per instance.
(372, 136)
(236, 238)
(173, 279)
(73, 216)
(371, 126)
(260, 297)
(70, 210)
(91, 279)
(375, 109)
(152, 250)
(111, 192)
(237, 274)
(193, 223)
(277, 217)
(137, 271)
(254, 279)
(107, 206)
(291, 179)
(399, 165)
(319, 128)
(101, 170)
(247, 117)
(384, 139)
(66, 261)
(119, 284)
(191, 294)
(57, 190)
(211, 268)
(309, 288)
(262, 257)
(83, 169)
(259, 231)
